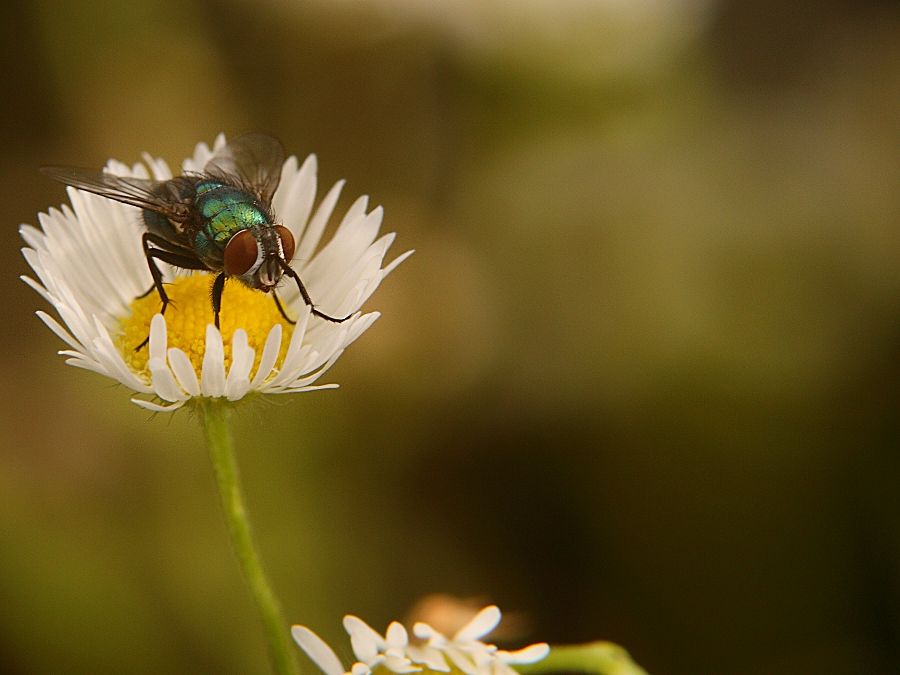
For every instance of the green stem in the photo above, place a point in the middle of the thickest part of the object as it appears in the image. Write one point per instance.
(214, 416)
(594, 658)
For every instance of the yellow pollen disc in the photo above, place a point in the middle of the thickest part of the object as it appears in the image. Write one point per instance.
(190, 311)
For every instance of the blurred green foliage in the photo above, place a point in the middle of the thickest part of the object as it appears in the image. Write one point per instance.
(640, 378)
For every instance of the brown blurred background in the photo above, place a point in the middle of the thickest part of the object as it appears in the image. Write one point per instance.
(640, 380)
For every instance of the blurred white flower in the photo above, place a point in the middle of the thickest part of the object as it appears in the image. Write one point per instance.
(91, 268)
(437, 653)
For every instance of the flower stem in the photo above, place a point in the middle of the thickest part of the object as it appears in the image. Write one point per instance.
(214, 416)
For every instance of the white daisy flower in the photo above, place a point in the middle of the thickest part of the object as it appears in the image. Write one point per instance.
(91, 268)
(464, 651)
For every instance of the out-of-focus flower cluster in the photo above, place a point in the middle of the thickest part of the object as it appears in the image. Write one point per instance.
(429, 651)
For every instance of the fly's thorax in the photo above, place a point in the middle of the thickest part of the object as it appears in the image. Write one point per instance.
(224, 211)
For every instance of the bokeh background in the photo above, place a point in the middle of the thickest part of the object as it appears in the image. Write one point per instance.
(639, 381)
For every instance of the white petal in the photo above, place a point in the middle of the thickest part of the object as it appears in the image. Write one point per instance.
(34, 259)
(396, 261)
(367, 643)
(212, 374)
(158, 338)
(158, 167)
(76, 323)
(164, 384)
(342, 268)
(396, 635)
(484, 622)
(61, 332)
(293, 359)
(35, 285)
(425, 632)
(269, 356)
(93, 366)
(104, 351)
(239, 390)
(529, 654)
(360, 669)
(242, 356)
(317, 649)
(138, 170)
(294, 198)
(298, 390)
(202, 153)
(429, 657)
(480, 653)
(462, 662)
(184, 371)
(356, 211)
(360, 326)
(285, 194)
(400, 664)
(32, 236)
(316, 226)
(330, 349)
(354, 235)
(157, 408)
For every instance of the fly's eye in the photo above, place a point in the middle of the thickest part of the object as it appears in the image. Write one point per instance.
(287, 242)
(241, 253)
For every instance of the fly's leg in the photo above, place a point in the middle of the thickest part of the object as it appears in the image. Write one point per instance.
(179, 257)
(150, 254)
(281, 309)
(217, 288)
(287, 269)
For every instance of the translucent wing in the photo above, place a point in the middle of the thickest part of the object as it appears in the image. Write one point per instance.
(163, 197)
(256, 159)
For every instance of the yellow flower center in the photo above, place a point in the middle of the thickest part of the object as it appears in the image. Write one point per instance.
(190, 311)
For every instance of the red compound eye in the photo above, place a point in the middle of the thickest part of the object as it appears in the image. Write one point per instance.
(241, 253)
(287, 242)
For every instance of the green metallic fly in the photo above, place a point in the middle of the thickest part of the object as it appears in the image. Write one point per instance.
(220, 220)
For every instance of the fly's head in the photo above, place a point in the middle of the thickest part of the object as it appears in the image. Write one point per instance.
(258, 256)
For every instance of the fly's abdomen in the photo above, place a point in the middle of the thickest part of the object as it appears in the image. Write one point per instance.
(157, 223)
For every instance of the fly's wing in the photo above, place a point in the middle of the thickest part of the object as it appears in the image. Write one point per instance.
(164, 197)
(255, 159)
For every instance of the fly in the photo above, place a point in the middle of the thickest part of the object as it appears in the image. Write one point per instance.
(219, 221)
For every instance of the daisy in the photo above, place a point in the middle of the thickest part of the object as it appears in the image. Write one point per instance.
(90, 266)
(464, 651)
